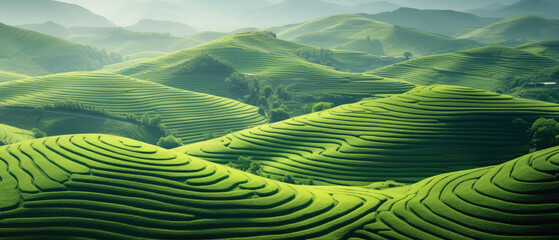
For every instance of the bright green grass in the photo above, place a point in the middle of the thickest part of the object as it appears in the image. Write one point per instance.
(480, 67)
(260, 53)
(524, 28)
(407, 137)
(545, 48)
(350, 31)
(55, 122)
(104, 187)
(10, 134)
(191, 115)
(8, 76)
(31, 53)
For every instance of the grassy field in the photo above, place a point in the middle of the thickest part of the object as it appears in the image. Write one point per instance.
(62, 122)
(8, 76)
(31, 53)
(406, 138)
(191, 115)
(262, 54)
(515, 30)
(481, 68)
(545, 48)
(359, 33)
(10, 134)
(104, 187)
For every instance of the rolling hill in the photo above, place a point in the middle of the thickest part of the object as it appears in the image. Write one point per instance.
(8, 76)
(173, 28)
(406, 138)
(49, 28)
(545, 48)
(446, 22)
(31, 53)
(19, 12)
(482, 68)
(542, 8)
(10, 135)
(104, 187)
(359, 33)
(516, 30)
(260, 53)
(190, 115)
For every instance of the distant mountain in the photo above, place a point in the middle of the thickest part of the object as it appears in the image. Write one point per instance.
(19, 12)
(49, 28)
(32, 53)
(459, 5)
(290, 11)
(359, 33)
(516, 30)
(150, 25)
(373, 7)
(542, 8)
(446, 22)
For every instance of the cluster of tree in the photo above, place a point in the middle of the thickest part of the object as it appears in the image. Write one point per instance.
(152, 123)
(321, 106)
(247, 164)
(384, 185)
(169, 142)
(289, 178)
(38, 133)
(251, 90)
(320, 56)
(543, 133)
(203, 63)
(510, 82)
(122, 34)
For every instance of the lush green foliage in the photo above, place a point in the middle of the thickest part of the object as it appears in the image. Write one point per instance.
(123, 188)
(544, 133)
(322, 106)
(204, 63)
(169, 142)
(404, 138)
(10, 134)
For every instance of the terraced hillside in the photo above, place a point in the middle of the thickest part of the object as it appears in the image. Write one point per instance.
(31, 53)
(481, 68)
(191, 115)
(8, 76)
(545, 48)
(406, 138)
(62, 121)
(98, 186)
(516, 30)
(359, 33)
(10, 134)
(263, 54)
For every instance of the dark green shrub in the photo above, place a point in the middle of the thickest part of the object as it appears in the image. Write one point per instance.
(169, 142)
(322, 106)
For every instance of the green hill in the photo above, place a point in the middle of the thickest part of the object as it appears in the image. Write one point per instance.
(545, 48)
(260, 53)
(542, 8)
(359, 33)
(19, 12)
(8, 76)
(482, 68)
(191, 115)
(31, 53)
(104, 187)
(516, 30)
(407, 137)
(49, 28)
(10, 135)
(446, 22)
(56, 122)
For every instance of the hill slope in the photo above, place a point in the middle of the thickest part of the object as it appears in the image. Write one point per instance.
(191, 115)
(263, 54)
(519, 29)
(545, 48)
(10, 134)
(407, 137)
(150, 25)
(8, 76)
(104, 187)
(18, 12)
(542, 8)
(32, 53)
(446, 22)
(359, 33)
(482, 68)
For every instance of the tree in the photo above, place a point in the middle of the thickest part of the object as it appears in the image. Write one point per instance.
(322, 106)
(543, 134)
(169, 142)
(408, 55)
(37, 133)
(278, 114)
